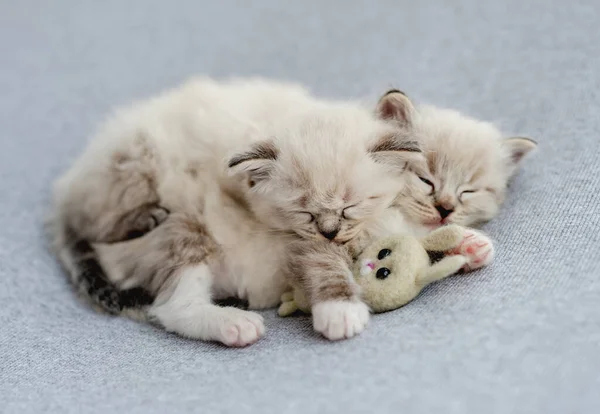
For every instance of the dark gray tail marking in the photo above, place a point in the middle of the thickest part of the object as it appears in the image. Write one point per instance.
(91, 280)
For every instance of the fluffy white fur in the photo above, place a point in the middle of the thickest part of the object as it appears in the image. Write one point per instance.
(326, 177)
(298, 167)
(470, 165)
(340, 319)
(194, 127)
(188, 310)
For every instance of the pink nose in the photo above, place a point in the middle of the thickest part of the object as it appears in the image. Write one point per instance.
(371, 265)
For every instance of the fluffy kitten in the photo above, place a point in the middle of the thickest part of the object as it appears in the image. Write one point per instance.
(315, 170)
(470, 165)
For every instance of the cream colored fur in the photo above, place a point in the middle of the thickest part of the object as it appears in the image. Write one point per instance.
(300, 168)
(470, 165)
(173, 149)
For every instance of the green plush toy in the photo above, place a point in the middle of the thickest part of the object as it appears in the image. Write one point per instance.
(391, 272)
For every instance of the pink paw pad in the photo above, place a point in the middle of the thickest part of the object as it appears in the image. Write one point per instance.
(477, 248)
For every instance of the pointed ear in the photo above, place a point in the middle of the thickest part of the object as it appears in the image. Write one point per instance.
(396, 106)
(517, 148)
(257, 162)
(399, 153)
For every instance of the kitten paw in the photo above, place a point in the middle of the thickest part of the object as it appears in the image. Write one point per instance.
(144, 220)
(240, 328)
(157, 216)
(477, 248)
(150, 219)
(340, 319)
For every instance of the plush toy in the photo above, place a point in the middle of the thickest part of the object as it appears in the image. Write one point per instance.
(391, 272)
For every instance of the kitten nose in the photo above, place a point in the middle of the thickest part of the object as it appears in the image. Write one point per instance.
(329, 235)
(444, 210)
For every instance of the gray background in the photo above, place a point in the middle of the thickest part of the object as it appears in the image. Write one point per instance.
(522, 336)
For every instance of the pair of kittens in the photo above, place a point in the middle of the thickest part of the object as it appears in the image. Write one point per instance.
(239, 188)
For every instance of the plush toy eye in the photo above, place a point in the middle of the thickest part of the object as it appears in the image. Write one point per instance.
(382, 273)
(384, 253)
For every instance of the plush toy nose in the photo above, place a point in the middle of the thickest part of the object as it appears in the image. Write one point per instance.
(367, 267)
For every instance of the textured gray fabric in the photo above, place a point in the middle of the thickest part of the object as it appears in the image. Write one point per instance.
(522, 336)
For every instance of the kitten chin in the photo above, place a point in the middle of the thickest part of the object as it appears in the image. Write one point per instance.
(470, 164)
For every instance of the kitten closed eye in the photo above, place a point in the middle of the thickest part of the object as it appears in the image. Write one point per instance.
(465, 194)
(469, 164)
(347, 213)
(429, 184)
(308, 217)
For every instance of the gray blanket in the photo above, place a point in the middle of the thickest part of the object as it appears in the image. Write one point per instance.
(522, 336)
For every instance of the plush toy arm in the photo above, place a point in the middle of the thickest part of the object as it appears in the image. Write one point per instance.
(288, 304)
(444, 239)
(293, 301)
(444, 268)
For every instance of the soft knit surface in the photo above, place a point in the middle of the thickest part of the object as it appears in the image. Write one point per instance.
(522, 336)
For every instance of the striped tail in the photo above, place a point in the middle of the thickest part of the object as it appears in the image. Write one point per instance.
(80, 259)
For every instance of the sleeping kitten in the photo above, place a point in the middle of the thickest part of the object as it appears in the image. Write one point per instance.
(470, 165)
(314, 170)
(321, 269)
(214, 242)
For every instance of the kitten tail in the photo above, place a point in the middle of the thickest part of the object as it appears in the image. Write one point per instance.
(80, 259)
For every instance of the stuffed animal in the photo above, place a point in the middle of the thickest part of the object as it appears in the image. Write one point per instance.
(391, 272)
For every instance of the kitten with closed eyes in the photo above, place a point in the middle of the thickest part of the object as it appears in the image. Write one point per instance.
(332, 177)
(470, 164)
(312, 170)
(469, 167)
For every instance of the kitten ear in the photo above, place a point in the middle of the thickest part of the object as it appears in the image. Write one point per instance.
(257, 162)
(517, 148)
(399, 153)
(396, 106)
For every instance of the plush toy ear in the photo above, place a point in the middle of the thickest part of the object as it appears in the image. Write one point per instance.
(396, 106)
(257, 162)
(517, 148)
(399, 153)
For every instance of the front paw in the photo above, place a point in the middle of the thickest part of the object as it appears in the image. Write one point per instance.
(477, 248)
(340, 319)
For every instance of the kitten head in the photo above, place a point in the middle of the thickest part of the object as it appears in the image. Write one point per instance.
(470, 164)
(327, 172)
